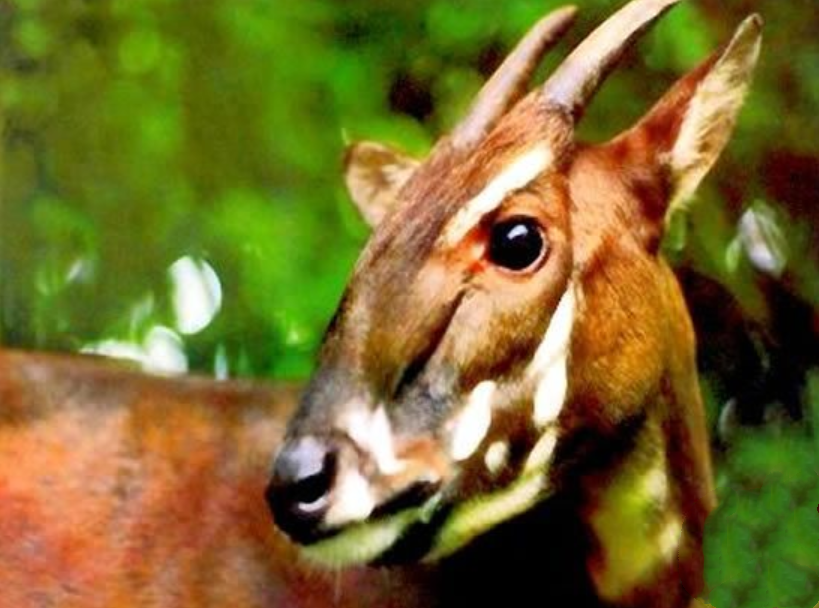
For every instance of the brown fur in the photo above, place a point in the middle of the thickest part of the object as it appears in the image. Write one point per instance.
(121, 489)
(637, 344)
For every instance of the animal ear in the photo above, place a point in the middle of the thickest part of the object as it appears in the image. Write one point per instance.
(689, 127)
(374, 174)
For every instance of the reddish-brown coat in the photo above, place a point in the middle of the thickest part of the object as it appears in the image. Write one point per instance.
(122, 490)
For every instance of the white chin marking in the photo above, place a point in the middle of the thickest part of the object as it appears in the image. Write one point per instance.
(362, 543)
(517, 174)
(549, 367)
(471, 424)
(352, 500)
(483, 512)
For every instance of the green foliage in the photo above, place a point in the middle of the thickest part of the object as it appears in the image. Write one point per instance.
(761, 542)
(137, 133)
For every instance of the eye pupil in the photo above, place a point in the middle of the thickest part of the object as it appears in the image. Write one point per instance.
(516, 243)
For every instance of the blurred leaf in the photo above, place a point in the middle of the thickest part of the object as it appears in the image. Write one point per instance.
(34, 37)
(140, 51)
(764, 238)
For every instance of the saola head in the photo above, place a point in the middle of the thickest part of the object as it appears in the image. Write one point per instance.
(504, 311)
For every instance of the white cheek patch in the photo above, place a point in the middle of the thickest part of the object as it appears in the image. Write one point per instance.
(470, 425)
(549, 367)
(517, 174)
(548, 370)
(372, 432)
(352, 500)
(496, 457)
(362, 543)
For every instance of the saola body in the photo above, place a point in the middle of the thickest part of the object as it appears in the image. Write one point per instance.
(122, 490)
(505, 410)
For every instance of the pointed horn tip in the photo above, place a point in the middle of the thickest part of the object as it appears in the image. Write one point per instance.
(557, 21)
(509, 82)
(753, 23)
(568, 12)
(659, 6)
(749, 31)
(578, 77)
(651, 5)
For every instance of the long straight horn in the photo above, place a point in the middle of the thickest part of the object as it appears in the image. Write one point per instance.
(577, 79)
(510, 80)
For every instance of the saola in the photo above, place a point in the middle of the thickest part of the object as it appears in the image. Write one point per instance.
(512, 348)
(505, 409)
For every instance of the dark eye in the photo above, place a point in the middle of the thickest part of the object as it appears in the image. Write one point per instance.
(516, 243)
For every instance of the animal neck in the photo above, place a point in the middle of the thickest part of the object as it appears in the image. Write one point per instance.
(643, 542)
(638, 466)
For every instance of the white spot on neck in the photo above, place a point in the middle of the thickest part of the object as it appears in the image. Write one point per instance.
(549, 367)
(496, 457)
(669, 538)
(654, 485)
(472, 422)
(514, 176)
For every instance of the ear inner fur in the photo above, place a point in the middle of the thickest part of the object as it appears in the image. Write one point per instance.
(374, 174)
(712, 112)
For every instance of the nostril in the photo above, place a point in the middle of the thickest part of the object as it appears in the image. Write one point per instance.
(310, 489)
(303, 476)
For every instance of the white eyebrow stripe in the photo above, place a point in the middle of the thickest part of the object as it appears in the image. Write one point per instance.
(517, 174)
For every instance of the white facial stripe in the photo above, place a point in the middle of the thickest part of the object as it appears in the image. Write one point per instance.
(549, 366)
(517, 174)
(472, 422)
(551, 393)
(352, 500)
(372, 432)
(496, 457)
(381, 444)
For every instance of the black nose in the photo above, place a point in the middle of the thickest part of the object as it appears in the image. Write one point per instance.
(298, 493)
